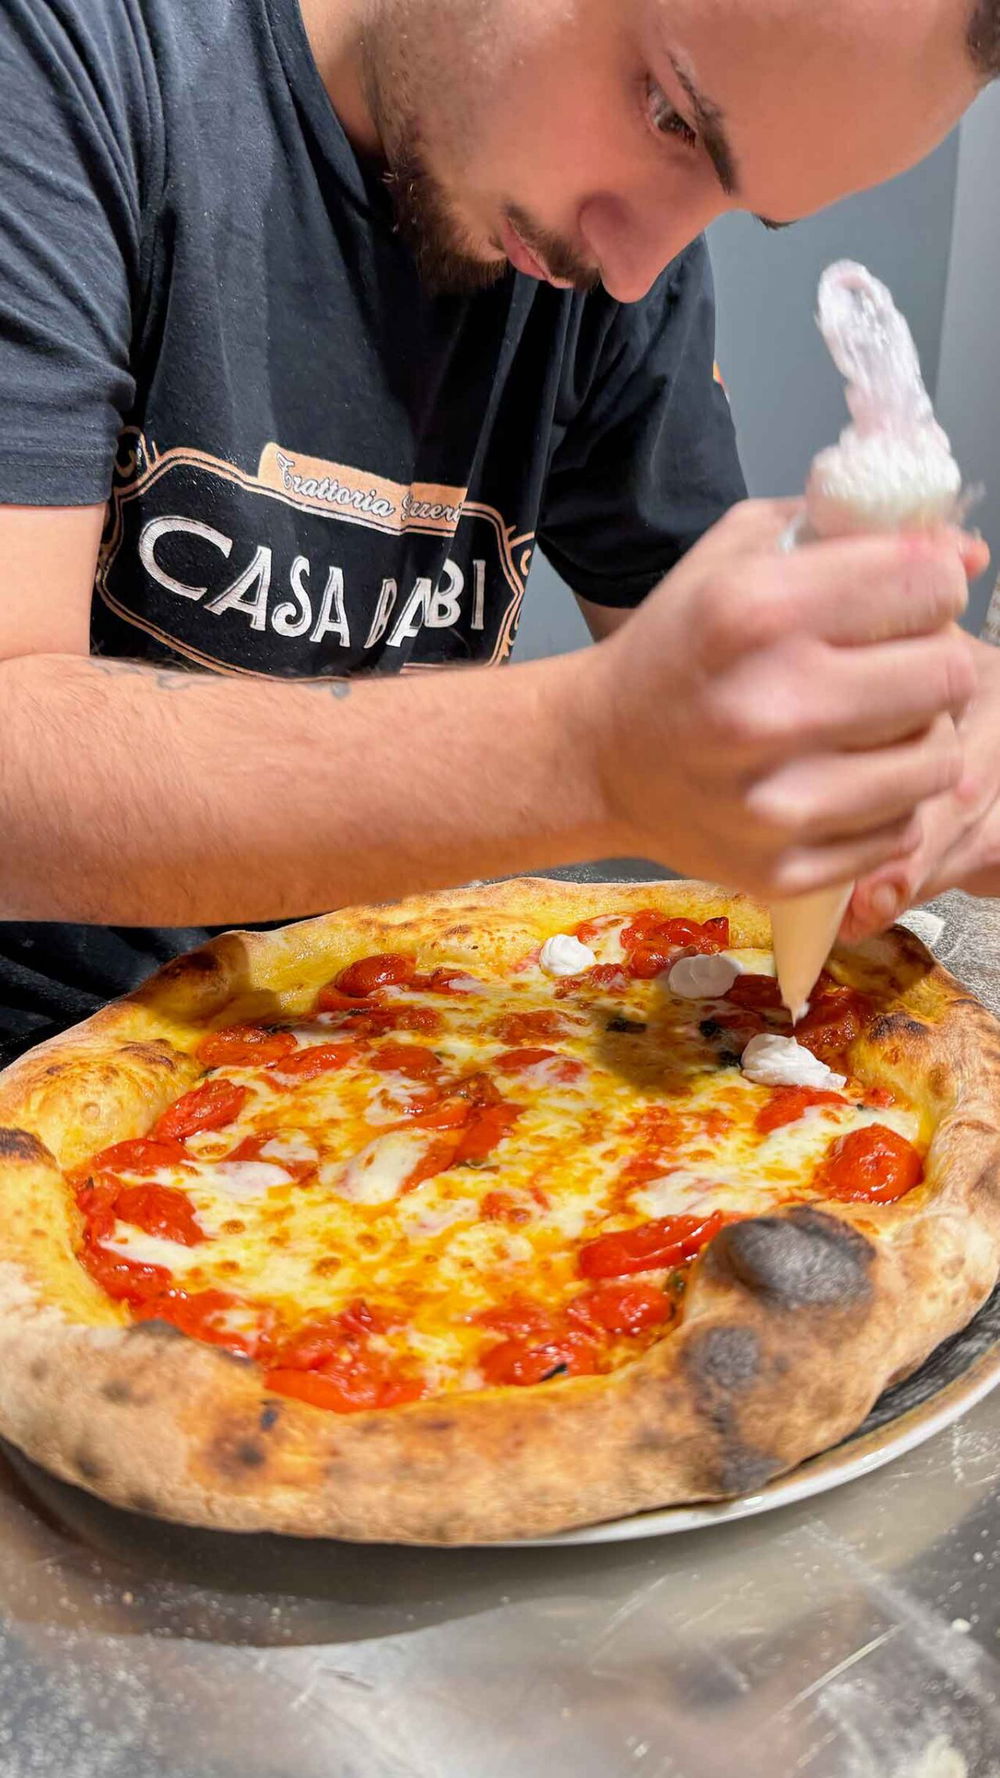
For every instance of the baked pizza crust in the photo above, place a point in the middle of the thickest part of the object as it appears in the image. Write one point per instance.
(794, 1323)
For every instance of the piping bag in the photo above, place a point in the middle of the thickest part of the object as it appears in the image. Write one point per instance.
(892, 470)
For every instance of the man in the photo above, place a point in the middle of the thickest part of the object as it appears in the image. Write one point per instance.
(357, 302)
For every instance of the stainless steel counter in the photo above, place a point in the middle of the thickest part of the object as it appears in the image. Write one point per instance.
(856, 1635)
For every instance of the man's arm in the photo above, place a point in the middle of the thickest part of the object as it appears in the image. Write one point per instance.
(736, 727)
(602, 620)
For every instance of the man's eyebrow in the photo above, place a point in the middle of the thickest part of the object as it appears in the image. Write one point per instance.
(768, 222)
(711, 127)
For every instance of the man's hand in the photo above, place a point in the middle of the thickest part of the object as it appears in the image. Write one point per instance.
(776, 721)
(960, 840)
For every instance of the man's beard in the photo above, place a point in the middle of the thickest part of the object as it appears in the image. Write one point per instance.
(427, 220)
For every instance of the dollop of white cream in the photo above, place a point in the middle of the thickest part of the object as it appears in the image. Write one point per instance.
(565, 955)
(703, 978)
(772, 1061)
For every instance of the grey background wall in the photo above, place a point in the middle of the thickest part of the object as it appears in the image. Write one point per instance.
(934, 236)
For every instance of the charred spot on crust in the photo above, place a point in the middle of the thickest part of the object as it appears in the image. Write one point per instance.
(141, 1502)
(155, 1055)
(118, 1392)
(630, 1027)
(725, 1358)
(894, 1027)
(195, 963)
(270, 1414)
(803, 1260)
(21, 1145)
(154, 1330)
(88, 1466)
(233, 1453)
(723, 1364)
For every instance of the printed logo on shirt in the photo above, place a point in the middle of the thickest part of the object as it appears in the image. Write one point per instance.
(309, 568)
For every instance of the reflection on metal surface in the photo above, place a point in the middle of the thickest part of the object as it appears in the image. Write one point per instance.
(851, 1635)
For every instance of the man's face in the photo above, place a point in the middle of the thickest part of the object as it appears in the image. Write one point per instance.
(593, 139)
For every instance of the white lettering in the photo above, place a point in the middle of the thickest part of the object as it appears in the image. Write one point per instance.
(412, 615)
(232, 598)
(380, 622)
(158, 528)
(479, 597)
(332, 619)
(445, 607)
(288, 619)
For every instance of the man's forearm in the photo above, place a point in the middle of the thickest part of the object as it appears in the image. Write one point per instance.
(133, 795)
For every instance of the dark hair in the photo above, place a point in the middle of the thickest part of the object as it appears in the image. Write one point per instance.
(984, 38)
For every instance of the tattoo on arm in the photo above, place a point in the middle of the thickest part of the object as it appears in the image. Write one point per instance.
(177, 679)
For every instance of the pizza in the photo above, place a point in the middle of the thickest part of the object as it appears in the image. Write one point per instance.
(488, 1214)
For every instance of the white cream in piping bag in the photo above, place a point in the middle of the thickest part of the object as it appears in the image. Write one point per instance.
(892, 470)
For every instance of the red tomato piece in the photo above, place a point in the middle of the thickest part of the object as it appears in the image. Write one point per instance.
(330, 999)
(501, 1207)
(787, 1104)
(388, 970)
(487, 1127)
(211, 1106)
(346, 1394)
(314, 1059)
(623, 1308)
(509, 1061)
(438, 981)
(652, 1246)
(588, 930)
(250, 1150)
(123, 1279)
(758, 993)
(521, 1319)
(146, 1155)
(836, 1017)
(874, 1165)
(411, 1059)
(477, 1088)
(517, 1362)
(447, 1114)
(202, 1315)
(648, 960)
(244, 1046)
(160, 1210)
(880, 1098)
(522, 1027)
(602, 978)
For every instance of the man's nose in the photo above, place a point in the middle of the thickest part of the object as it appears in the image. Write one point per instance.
(633, 243)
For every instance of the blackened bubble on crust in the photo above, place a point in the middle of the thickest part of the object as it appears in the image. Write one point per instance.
(233, 1454)
(895, 1027)
(88, 1467)
(803, 1260)
(118, 1392)
(154, 1330)
(153, 1055)
(270, 1414)
(723, 1363)
(195, 963)
(725, 1359)
(21, 1145)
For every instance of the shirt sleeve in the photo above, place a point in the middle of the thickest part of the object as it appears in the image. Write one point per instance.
(645, 459)
(74, 102)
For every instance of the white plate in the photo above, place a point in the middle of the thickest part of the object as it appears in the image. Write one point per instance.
(960, 1374)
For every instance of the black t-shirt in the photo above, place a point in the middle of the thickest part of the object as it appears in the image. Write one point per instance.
(312, 467)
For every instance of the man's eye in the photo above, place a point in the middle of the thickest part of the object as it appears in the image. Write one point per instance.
(665, 120)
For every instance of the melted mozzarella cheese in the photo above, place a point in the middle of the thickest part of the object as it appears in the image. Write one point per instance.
(245, 1180)
(772, 1061)
(152, 1250)
(381, 1170)
(685, 1192)
(564, 955)
(290, 1146)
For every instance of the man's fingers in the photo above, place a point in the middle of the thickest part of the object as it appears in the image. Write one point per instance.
(853, 591)
(803, 869)
(837, 797)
